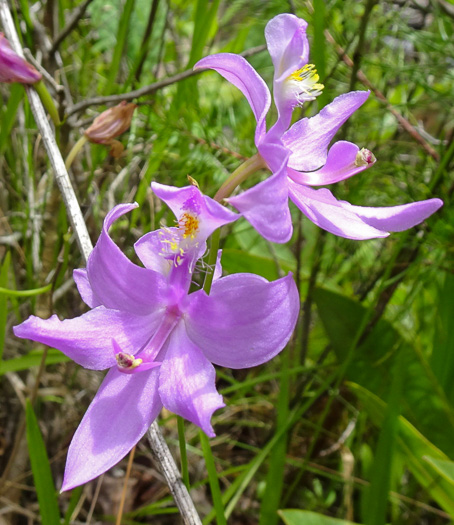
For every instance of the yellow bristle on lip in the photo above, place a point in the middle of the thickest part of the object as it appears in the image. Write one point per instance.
(189, 224)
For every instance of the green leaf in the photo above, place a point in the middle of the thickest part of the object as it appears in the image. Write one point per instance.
(305, 517)
(373, 362)
(414, 447)
(444, 467)
(381, 470)
(42, 475)
(9, 116)
(442, 357)
(3, 302)
(33, 358)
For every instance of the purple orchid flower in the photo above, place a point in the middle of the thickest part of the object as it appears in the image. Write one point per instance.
(157, 340)
(299, 157)
(14, 68)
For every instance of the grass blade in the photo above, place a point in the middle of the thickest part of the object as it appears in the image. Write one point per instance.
(42, 475)
(123, 26)
(275, 477)
(213, 479)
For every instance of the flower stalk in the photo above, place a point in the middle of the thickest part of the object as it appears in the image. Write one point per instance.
(75, 150)
(242, 173)
(48, 102)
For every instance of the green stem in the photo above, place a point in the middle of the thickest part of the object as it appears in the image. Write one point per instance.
(48, 102)
(212, 257)
(244, 171)
(183, 453)
(75, 150)
(213, 479)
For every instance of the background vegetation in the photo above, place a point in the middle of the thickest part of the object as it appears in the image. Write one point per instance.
(354, 420)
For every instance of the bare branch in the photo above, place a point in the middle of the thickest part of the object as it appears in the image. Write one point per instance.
(146, 90)
(172, 476)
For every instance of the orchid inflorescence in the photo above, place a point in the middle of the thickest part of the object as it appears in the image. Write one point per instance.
(147, 326)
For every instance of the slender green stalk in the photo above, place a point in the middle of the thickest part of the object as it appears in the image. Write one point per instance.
(213, 479)
(48, 102)
(212, 256)
(25, 293)
(183, 453)
(244, 171)
(75, 150)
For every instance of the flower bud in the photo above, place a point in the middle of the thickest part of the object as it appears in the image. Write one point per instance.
(109, 124)
(14, 68)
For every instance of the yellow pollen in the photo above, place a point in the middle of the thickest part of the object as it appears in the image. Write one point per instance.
(305, 84)
(189, 224)
(127, 361)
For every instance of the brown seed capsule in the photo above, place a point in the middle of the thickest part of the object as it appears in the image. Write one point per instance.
(109, 124)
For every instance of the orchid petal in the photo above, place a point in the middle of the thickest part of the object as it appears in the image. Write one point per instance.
(340, 165)
(187, 382)
(83, 286)
(88, 339)
(119, 415)
(115, 280)
(289, 49)
(154, 249)
(324, 210)
(395, 218)
(287, 44)
(265, 206)
(308, 139)
(237, 70)
(245, 321)
(180, 200)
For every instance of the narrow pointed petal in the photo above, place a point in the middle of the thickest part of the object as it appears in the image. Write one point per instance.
(287, 44)
(119, 415)
(211, 214)
(340, 165)
(187, 382)
(245, 321)
(83, 286)
(324, 210)
(242, 75)
(87, 339)
(308, 139)
(396, 218)
(116, 281)
(265, 205)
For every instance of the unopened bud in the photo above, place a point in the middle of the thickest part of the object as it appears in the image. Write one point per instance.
(364, 157)
(14, 68)
(110, 124)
